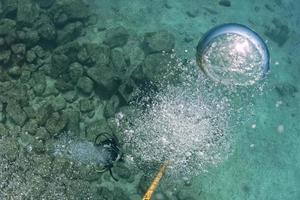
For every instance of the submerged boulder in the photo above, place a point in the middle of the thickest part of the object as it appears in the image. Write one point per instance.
(28, 12)
(161, 41)
(116, 37)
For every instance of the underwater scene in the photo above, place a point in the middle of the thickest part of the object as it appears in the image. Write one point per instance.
(156, 99)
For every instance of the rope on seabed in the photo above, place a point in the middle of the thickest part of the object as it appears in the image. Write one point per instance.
(155, 183)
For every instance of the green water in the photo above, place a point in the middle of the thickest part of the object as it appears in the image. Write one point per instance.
(72, 69)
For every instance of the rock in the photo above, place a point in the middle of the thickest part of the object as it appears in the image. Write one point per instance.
(278, 32)
(39, 83)
(122, 171)
(43, 113)
(7, 26)
(91, 53)
(30, 127)
(9, 8)
(86, 105)
(69, 33)
(42, 134)
(39, 51)
(61, 19)
(28, 12)
(76, 71)
(5, 56)
(11, 38)
(111, 106)
(116, 37)
(118, 60)
(128, 90)
(162, 41)
(46, 28)
(29, 36)
(74, 10)
(135, 55)
(30, 56)
(16, 113)
(85, 84)
(15, 71)
(56, 123)
(70, 96)
(104, 76)
(225, 3)
(30, 112)
(45, 3)
(60, 65)
(58, 103)
(63, 86)
(18, 49)
(286, 90)
(157, 67)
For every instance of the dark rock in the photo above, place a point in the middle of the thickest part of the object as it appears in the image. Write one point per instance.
(118, 60)
(18, 49)
(116, 37)
(7, 26)
(61, 19)
(86, 105)
(60, 64)
(63, 86)
(286, 90)
(122, 171)
(9, 8)
(39, 83)
(70, 96)
(46, 28)
(76, 71)
(30, 112)
(30, 56)
(75, 10)
(11, 38)
(43, 113)
(111, 106)
(279, 32)
(105, 77)
(45, 3)
(58, 103)
(225, 3)
(28, 12)
(16, 113)
(42, 134)
(69, 33)
(158, 42)
(5, 56)
(31, 37)
(127, 90)
(39, 51)
(85, 84)
(15, 71)
(91, 54)
(56, 123)
(30, 127)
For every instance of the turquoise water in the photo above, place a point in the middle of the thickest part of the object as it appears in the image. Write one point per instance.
(73, 69)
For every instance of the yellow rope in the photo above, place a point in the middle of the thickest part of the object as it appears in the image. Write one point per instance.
(155, 183)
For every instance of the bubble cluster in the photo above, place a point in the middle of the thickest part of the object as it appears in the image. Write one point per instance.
(182, 126)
